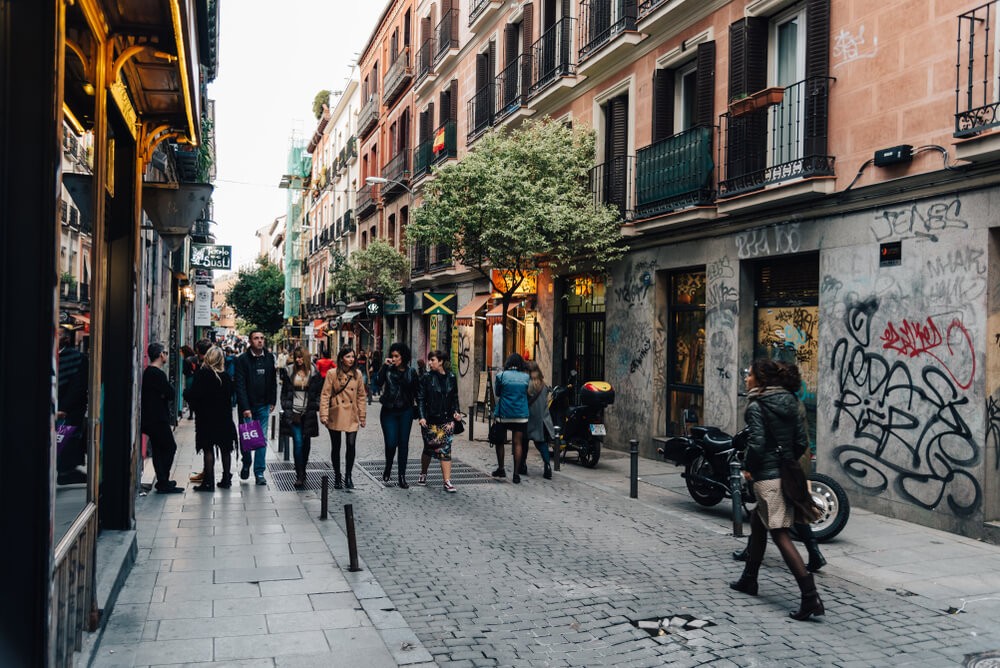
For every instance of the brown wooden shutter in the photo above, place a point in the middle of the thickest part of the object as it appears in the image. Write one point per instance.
(705, 85)
(746, 136)
(453, 100)
(422, 131)
(616, 150)
(425, 29)
(406, 28)
(663, 103)
(445, 101)
(430, 121)
(816, 96)
(509, 44)
(490, 80)
(527, 33)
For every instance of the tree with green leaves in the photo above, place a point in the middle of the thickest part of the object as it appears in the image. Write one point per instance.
(378, 270)
(520, 202)
(321, 98)
(257, 296)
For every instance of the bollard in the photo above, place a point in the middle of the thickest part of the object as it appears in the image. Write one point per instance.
(352, 540)
(735, 485)
(472, 421)
(274, 423)
(285, 446)
(324, 498)
(633, 452)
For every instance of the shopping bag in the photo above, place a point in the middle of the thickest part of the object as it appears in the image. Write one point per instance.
(64, 434)
(251, 436)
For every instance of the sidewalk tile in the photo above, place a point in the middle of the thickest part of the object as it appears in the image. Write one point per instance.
(187, 610)
(295, 559)
(316, 621)
(210, 592)
(230, 557)
(218, 627)
(271, 645)
(183, 578)
(264, 605)
(257, 574)
(157, 652)
(304, 586)
(342, 601)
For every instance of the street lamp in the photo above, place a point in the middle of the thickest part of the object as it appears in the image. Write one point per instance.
(340, 307)
(379, 180)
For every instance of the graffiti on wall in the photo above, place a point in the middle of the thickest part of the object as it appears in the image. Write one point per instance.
(630, 360)
(993, 430)
(849, 47)
(464, 351)
(791, 334)
(904, 409)
(922, 221)
(957, 277)
(636, 282)
(777, 240)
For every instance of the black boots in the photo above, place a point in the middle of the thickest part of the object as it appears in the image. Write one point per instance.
(348, 483)
(742, 555)
(816, 559)
(547, 474)
(227, 481)
(387, 472)
(338, 481)
(748, 580)
(811, 605)
(402, 482)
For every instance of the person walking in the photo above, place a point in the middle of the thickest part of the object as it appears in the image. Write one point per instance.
(157, 394)
(438, 407)
(399, 388)
(776, 421)
(511, 390)
(374, 363)
(540, 429)
(256, 396)
(343, 410)
(71, 412)
(210, 395)
(189, 364)
(324, 363)
(301, 386)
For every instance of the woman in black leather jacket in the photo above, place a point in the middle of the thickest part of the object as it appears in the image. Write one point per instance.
(439, 410)
(776, 420)
(398, 389)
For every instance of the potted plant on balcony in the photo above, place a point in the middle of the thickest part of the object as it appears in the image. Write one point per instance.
(740, 105)
(762, 99)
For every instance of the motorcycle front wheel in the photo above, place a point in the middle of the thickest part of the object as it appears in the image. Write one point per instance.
(832, 499)
(590, 453)
(705, 495)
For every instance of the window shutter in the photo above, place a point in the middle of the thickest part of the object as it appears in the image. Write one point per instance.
(663, 103)
(490, 74)
(509, 44)
(816, 95)
(422, 127)
(705, 85)
(406, 28)
(425, 29)
(430, 121)
(746, 136)
(453, 100)
(527, 32)
(445, 100)
(616, 149)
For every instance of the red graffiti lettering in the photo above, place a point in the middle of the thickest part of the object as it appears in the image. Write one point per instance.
(913, 338)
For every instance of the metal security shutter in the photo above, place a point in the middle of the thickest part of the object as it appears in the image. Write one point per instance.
(789, 279)
(817, 65)
(663, 103)
(705, 85)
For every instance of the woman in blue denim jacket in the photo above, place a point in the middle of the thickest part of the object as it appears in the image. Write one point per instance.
(511, 391)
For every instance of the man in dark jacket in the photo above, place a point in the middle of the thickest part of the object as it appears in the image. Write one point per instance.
(73, 381)
(157, 395)
(256, 396)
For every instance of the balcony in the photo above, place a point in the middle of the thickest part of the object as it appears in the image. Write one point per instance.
(446, 33)
(552, 64)
(398, 76)
(608, 32)
(674, 173)
(397, 171)
(442, 257)
(659, 16)
(349, 222)
(481, 107)
(611, 182)
(420, 262)
(512, 91)
(425, 157)
(784, 142)
(368, 115)
(480, 9)
(977, 88)
(425, 66)
(367, 201)
(352, 150)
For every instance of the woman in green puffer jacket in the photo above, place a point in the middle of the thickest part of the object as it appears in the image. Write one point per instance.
(776, 420)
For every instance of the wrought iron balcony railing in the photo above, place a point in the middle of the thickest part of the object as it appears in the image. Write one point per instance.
(512, 93)
(420, 262)
(674, 173)
(481, 108)
(440, 146)
(397, 171)
(442, 257)
(349, 221)
(368, 115)
(447, 34)
(476, 8)
(785, 141)
(367, 201)
(425, 59)
(977, 87)
(612, 182)
(398, 76)
(552, 56)
(602, 21)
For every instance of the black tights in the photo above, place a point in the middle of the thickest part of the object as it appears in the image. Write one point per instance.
(516, 446)
(208, 457)
(352, 437)
(782, 538)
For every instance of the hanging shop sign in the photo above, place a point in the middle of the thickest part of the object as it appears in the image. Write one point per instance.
(439, 303)
(202, 306)
(211, 256)
(528, 286)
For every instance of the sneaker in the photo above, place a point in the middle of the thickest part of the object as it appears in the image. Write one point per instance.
(422, 480)
(260, 480)
(245, 472)
(448, 487)
(197, 477)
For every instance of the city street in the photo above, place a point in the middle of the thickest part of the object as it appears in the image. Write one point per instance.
(545, 573)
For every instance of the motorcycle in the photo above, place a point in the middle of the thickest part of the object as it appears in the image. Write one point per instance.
(706, 453)
(578, 418)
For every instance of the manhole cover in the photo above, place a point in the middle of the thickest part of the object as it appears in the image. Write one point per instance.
(661, 626)
(461, 473)
(990, 659)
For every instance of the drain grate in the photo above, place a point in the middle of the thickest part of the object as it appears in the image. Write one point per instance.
(283, 481)
(661, 626)
(290, 466)
(461, 473)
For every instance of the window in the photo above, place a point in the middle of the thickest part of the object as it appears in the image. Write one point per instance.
(787, 55)
(686, 347)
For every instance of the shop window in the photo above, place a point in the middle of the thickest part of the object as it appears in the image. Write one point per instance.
(585, 325)
(686, 347)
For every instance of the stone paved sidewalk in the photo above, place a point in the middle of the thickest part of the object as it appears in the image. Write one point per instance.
(247, 577)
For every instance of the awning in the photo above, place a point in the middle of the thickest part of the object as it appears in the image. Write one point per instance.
(467, 314)
(349, 317)
(319, 326)
(495, 314)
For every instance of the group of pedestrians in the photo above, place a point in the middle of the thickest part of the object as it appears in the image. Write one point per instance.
(522, 408)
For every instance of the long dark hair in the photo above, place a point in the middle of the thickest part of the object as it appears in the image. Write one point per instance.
(404, 352)
(514, 363)
(340, 358)
(777, 374)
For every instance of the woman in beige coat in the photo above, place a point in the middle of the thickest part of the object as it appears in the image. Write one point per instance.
(343, 408)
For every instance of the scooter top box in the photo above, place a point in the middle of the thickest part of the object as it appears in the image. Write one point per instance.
(597, 393)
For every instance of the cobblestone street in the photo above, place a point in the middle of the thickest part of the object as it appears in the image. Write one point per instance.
(556, 573)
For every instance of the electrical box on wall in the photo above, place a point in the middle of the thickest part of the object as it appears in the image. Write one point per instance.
(890, 254)
(893, 156)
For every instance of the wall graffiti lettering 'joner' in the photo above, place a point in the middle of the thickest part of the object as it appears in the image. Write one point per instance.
(907, 423)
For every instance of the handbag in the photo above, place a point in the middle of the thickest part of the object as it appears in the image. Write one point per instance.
(498, 434)
(794, 486)
(251, 436)
(459, 427)
(64, 434)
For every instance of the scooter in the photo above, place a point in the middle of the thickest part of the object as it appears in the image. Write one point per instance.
(579, 418)
(706, 453)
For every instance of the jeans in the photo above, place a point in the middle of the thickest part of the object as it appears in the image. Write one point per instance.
(261, 414)
(161, 438)
(300, 447)
(396, 426)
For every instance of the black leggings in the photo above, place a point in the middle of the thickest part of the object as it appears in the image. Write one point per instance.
(352, 437)
(782, 539)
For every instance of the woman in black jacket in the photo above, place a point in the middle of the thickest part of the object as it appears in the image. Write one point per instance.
(210, 397)
(776, 420)
(301, 385)
(398, 388)
(438, 402)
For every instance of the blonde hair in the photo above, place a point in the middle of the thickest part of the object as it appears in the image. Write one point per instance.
(215, 360)
(537, 377)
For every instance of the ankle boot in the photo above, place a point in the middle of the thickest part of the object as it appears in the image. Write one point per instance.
(742, 555)
(348, 483)
(227, 481)
(547, 473)
(811, 605)
(816, 559)
(300, 478)
(338, 482)
(402, 482)
(387, 473)
(748, 580)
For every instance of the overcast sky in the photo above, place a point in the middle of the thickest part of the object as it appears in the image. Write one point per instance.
(273, 59)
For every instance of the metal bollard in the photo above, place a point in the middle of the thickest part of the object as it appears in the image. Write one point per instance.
(324, 498)
(352, 540)
(735, 484)
(633, 452)
(472, 421)
(274, 424)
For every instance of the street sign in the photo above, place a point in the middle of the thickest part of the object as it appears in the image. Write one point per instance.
(373, 308)
(211, 256)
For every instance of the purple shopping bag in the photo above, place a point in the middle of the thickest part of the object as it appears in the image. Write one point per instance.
(64, 434)
(251, 436)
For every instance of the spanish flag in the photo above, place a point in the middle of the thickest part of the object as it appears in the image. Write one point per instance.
(438, 145)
